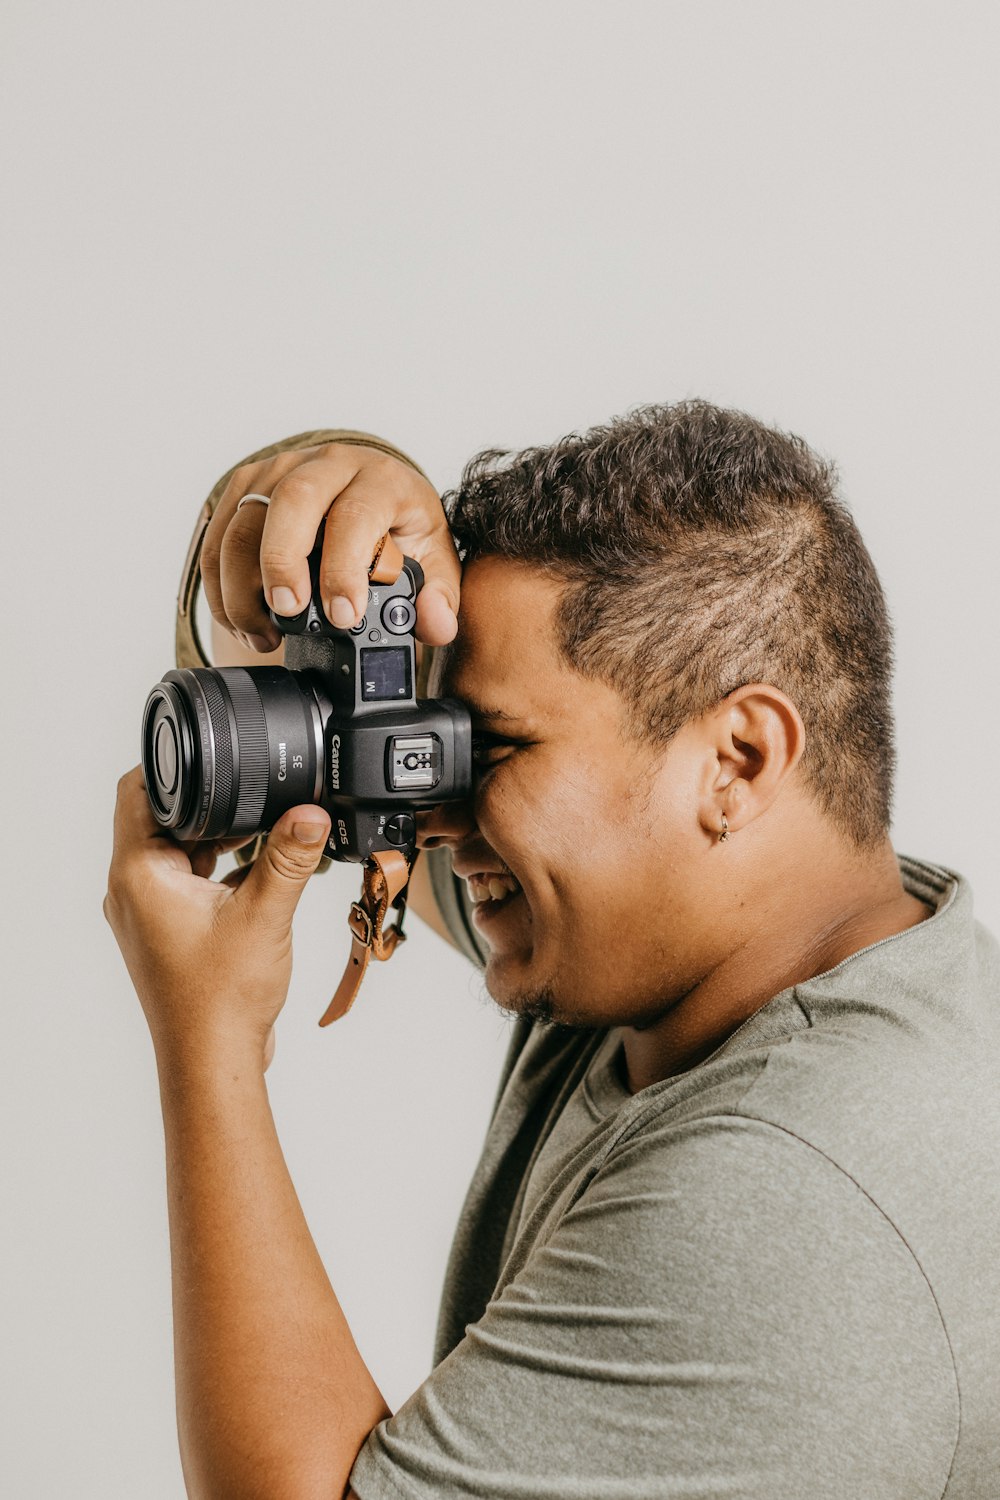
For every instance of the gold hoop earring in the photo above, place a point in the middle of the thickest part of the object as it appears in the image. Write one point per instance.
(725, 830)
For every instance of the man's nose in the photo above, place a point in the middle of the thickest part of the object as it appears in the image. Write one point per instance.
(448, 823)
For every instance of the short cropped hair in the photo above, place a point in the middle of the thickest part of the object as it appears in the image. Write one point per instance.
(702, 550)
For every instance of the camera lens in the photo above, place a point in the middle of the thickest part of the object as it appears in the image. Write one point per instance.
(165, 753)
(225, 751)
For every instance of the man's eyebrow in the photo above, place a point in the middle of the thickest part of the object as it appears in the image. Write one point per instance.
(486, 714)
(450, 687)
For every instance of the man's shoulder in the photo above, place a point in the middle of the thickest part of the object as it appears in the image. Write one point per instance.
(870, 1095)
(869, 1054)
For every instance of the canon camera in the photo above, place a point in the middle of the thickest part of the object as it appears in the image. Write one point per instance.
(227, 750)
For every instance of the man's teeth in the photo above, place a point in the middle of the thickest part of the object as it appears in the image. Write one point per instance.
(491, 887)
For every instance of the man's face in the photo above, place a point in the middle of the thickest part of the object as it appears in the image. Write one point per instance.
(598, 830)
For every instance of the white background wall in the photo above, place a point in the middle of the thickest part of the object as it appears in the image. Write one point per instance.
(456, 225)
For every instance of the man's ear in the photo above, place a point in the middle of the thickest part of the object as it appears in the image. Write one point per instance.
(757, 737)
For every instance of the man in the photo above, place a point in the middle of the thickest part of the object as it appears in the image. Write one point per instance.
(733, 1232)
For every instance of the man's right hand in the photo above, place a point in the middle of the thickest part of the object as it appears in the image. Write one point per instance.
(258, 558)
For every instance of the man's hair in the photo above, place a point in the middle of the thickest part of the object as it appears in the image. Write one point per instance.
(702, 550)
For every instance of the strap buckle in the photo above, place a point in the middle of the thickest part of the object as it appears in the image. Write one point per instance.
(361, 925)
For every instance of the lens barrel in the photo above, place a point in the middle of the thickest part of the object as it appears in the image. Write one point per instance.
(227, 750)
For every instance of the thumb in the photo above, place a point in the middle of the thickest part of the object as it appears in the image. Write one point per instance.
(277, 878)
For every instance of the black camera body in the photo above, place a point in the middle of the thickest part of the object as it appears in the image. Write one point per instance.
(226, 750)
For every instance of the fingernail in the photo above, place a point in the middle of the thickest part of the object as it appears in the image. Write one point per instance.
(284, 602)
(262, 643)
(341, 612)
(309, 833)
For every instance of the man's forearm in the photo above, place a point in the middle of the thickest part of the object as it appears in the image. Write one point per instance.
(273, 1398)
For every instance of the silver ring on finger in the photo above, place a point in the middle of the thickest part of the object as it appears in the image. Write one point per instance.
(263, 500)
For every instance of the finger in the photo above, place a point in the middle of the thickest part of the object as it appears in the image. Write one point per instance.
(240, 578)
(378, 500)
(134, 820)
(298, 504)
(437, 619)
(235, 878)
(137, 834)
(259, 478)
(355, 526)
(204, 858)
(210, 563)
(438, 600)
(270, 891)
(228, 650)
(218, 846)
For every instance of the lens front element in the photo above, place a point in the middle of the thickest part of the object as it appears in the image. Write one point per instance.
(226, 750)
(165, 752)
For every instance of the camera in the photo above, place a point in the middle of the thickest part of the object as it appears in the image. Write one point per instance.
(227, 750)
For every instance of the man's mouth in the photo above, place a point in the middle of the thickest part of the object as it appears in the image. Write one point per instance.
(489, 886)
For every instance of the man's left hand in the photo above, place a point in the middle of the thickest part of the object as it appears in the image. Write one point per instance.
(210, 960)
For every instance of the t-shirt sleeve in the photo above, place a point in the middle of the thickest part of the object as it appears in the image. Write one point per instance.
(719, 1312)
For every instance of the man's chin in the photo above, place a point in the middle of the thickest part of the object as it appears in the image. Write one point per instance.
(535, 1003)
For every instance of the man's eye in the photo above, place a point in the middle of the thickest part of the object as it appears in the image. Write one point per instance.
(488, 749)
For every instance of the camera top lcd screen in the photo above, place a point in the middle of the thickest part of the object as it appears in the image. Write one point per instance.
(385, 674)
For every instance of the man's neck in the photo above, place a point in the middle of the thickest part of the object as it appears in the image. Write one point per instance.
(811, 930)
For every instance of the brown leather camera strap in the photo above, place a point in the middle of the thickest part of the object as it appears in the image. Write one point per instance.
(387, 564)
(386, 874)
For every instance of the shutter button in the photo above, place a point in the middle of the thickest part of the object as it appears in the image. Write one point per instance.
(398, 616)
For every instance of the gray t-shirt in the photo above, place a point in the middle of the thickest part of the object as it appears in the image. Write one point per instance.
(775, 1275)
